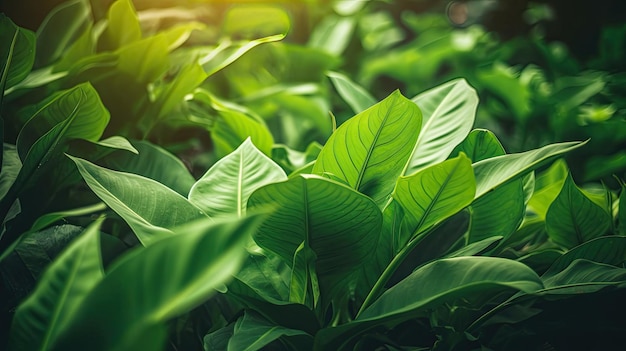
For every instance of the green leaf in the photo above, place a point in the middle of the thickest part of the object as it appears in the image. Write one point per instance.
(177, 274)
(621, 214)
(370, 150)
(548, 185)
(17, 53)
(341, 226)
(585, 276)
(226, 187)
(332, 34)
(354, 95)
(59, 293)
(145, 60)
(61, 27)
(154, 162)
(448, 112)
(495, 171)
(80, 108)
(150, 208)
(608, 249)
(122, 28)
(430, 286)
(252, 332)
(11, 166)
(267, 278)
(480, 144)
(434, 194)
(573, 218)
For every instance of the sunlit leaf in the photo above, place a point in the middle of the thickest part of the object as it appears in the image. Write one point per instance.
(370, 150)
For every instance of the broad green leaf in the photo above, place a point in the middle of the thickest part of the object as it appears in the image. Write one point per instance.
(63, 25)
(608, 249)
(80, 108)
(226, 187)
(59, 293)
(304, 286)
(369, 151)
(500, 212)
(341, 226)
(154, 162)
(177, 274)
(495, 171)
(434, 194)
(480, 144)
(252, 332)
(150, 208)
(332, 34)
(585, 276)
(448, 112)
(51, 218)
(255, 19)
(430, 286)
(144, 60)
(11, 166)
(122, 27)
(548, 185)
(353, 94)
(81, 48)
(573, 218)
(477, 248)
(17, 53)
(268, 279)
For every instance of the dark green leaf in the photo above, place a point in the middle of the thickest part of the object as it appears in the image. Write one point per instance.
(252, 332)
(17, 53)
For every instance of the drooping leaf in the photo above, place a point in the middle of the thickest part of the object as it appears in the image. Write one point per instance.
(150, 208)
(434, 194)
(354, 95)
(154, 162)
(341, 226)
(493, 172)
(59, 293)
(17, 53)
(584, 276)
(177, 274)
(226, 187)
(608, 249)
(448, 279)
(252, 332)
(448, 112)
(79, 107)
(573, 218)
(370, 150)
(64, 24)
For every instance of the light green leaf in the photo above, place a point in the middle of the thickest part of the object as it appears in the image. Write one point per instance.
(59, 292)
(353, 94)
(17, 53)
(495, 171)
(253, 332)
(144, 60)
(177, 274)
(341, 226)
(150, 208)
(548, 185)
(226, 187)
(58, 31)
(434, 194)
(480, 144)
(369, 151)
(122, 28)
(332, 34)
(449, 112)
(573, 218)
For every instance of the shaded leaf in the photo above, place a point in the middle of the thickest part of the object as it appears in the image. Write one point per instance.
(609, 250)
(252, 332)
(17, 53)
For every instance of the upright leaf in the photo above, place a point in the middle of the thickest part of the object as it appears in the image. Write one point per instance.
(150, 208)
(122, 28)
(495, 171)
(354, 95)
(17, 53)
(573, 218)
(548, 186)
(434, 194)
(449, 112)
(341, 226)
(226, 187)
(59, 293)
(177, 274)
(369, 151)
